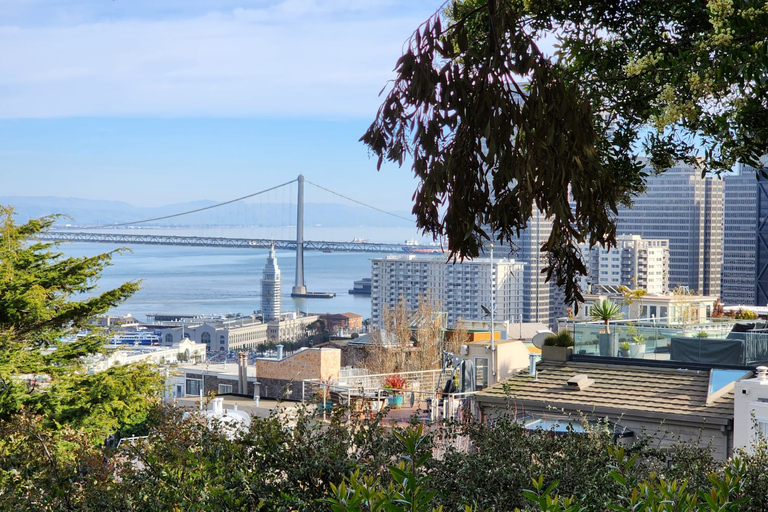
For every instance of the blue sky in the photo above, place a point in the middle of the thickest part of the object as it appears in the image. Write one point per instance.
(154, 102)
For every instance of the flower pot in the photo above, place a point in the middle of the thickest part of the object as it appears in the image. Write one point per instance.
(395, 401)
(637, 350)
(623, 352)
(558, 354)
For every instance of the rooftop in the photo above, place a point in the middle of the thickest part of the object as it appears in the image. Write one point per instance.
(619, 389)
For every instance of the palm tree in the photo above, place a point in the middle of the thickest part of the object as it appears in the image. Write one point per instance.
(605, 311)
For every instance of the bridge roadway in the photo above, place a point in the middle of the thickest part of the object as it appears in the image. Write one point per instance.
(243, 243)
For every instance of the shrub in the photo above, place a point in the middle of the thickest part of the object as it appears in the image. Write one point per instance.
(561, 339)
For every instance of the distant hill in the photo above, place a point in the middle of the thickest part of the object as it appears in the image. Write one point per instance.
(89, 212)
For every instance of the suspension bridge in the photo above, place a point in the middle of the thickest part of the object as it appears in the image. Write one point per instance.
(96, 234)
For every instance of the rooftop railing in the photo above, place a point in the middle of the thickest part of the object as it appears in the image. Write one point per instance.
(714, 343)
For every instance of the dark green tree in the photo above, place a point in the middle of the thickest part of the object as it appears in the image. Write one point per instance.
(495, 128)
(42, 361)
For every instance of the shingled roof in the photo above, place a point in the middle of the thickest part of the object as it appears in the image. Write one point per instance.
(652, 392)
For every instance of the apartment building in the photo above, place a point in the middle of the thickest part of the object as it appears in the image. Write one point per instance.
(461, 289)
(635, 262)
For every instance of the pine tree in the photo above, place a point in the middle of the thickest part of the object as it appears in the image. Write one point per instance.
(42, 361)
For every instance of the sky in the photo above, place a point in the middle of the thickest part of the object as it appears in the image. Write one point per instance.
(159, 101)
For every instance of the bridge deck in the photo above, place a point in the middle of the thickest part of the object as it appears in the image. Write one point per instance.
(242, 243)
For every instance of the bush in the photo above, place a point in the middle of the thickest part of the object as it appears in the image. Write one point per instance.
(561, 339)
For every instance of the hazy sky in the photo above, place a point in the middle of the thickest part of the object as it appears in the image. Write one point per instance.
(154, 102)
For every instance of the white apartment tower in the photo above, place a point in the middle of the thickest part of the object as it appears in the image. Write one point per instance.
(462, 289)
(634, 262)
(271, 288)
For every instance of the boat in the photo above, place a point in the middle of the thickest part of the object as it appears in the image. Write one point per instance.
(313, 295)
(361, 287)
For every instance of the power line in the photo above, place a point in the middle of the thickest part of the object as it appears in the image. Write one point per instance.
(360, 202)
(191, 211)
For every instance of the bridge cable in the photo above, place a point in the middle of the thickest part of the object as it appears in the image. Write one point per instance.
(191, 211)
(360, 202)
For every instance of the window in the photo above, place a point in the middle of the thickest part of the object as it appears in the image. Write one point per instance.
(225, 389)
(205, 338)
(169, 338)
(481, 373)
(761, 428)
(194, 386)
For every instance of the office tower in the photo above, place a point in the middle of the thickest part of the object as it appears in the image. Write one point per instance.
(271, 289)
(740, 238)
(686, 209)
(461, 290)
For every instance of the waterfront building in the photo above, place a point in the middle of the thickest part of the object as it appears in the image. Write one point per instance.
(271, 289)
(740, 238)
(687, 210)
(635, 262)
(240, 333)
(461, 290)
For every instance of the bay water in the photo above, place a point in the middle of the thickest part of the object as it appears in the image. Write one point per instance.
(212, 280)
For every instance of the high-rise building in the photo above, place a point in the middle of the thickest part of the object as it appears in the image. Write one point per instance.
(540, 297)
(271, 288)
(740, 238)
(686, 209)
(462, 289)
(635, 262)
(761, 253)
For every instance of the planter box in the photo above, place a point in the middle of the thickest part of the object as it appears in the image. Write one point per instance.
(559, 354)
(609, 344)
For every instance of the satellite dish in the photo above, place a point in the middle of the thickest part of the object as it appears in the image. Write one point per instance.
(539, 337)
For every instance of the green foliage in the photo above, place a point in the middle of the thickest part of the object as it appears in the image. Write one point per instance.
(605, 311)
(561, 339)
(494, 128)
(39, 370)
(745, 314)
(407, 490)
(356, 465)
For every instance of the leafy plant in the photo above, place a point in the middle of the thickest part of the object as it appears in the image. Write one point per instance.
(561, 339)
(395, 382)
(605, 311)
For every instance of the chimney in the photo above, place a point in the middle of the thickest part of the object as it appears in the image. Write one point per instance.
(217, 406)
(279, 352)
(242, 373)
(532, 365)
(762, 375)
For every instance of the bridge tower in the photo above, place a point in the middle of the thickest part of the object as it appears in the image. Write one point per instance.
(299, 288)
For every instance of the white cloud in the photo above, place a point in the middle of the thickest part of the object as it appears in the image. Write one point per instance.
(293, 58)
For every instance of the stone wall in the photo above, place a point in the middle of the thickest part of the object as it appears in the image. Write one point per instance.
(322, 363)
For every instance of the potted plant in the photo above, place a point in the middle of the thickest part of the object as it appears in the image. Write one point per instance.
(637, 347)
(624, 349)
(395, 384)
(557, 347)
(605, 311)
